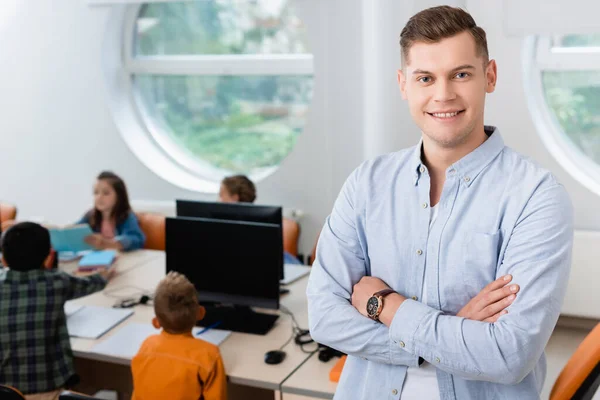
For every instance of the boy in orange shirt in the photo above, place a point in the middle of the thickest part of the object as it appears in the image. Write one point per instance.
(173, 364)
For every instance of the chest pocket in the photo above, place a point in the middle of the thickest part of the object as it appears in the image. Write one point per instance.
(480, 255)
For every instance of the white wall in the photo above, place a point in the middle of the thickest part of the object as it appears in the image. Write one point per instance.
(57, 130)
(505, 108)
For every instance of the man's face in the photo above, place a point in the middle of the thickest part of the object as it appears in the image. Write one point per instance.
(445, 85)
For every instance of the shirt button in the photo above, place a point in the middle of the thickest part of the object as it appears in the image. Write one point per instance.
(394, 392)
(437, 360)
(419, 252)
(424, 205)
(414, 298)
(467, 179)
(401, 344)
(422, 169)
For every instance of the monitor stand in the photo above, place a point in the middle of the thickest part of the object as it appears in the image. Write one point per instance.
(237, 319)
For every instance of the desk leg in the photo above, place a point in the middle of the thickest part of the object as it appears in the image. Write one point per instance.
(100, 375)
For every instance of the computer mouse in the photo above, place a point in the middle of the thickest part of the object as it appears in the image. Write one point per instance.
(274, 356)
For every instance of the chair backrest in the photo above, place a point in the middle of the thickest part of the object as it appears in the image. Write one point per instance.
(291, 234)
(70, 395)
(10, 393)
(153, 226)
(580, 378)
(7, 212)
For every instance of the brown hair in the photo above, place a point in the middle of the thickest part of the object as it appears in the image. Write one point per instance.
(434, 24)
(242, 186)
(122, 208)
(176, 303)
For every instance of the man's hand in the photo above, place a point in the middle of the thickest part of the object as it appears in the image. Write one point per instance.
(491, 303)
(363, 290)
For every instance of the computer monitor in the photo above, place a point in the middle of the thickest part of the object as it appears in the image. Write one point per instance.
(233, 212)
(229, 211)
(232, 264)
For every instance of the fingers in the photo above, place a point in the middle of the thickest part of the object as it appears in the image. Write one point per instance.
(495, 317)
(498, 283)
(498, 306)
(498, 294)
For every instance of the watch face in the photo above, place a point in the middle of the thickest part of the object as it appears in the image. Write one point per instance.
(372, 306)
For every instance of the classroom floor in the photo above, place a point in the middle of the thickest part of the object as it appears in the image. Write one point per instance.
(562, 344)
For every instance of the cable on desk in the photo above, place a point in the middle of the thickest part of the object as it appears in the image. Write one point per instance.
(139, 296)
(298, 334)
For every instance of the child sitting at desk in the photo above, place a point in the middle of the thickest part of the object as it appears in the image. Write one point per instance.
(35, 352)
(112, 219)
(240, 189)
(173, 364)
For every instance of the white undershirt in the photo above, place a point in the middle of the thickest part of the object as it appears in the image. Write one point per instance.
(421, 382)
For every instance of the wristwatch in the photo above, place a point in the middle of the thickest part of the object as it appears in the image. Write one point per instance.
(375, 303)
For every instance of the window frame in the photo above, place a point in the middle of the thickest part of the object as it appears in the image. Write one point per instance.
(538, 57)
(194, 173)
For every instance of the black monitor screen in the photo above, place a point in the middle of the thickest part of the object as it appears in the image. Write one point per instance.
(229, 211)
(228, 261)
(233, 212)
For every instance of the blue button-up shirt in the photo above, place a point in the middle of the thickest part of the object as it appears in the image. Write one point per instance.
(499, 213)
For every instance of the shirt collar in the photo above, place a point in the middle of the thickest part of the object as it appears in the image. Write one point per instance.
(470, 166)
(24, 276)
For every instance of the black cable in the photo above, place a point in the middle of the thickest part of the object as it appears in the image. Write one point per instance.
(139, 296)
(297, 333)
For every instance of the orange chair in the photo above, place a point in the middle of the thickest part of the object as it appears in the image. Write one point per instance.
(10, 393)
(153, 226)
(580, 378)
(291, 234)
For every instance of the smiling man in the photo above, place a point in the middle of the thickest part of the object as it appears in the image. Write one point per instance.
(414, 265)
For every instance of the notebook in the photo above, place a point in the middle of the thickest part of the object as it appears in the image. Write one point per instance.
(70, 238)
(97, 259)
(91, 322)
(127, 341)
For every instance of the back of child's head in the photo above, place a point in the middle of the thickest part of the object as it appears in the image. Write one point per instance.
(241, 186)
(25, 246)
(176, 303)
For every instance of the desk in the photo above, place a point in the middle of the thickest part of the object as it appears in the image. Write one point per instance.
(243, 354)
(311, 379)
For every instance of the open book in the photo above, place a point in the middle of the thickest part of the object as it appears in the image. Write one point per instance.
(70, 238)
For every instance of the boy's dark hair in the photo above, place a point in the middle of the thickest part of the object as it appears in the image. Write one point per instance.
(437, 23)
(122, 207)
(25, 246)
(242, 186)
